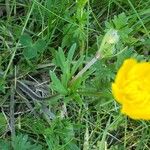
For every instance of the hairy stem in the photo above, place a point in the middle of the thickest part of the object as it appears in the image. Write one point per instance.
(87, 66)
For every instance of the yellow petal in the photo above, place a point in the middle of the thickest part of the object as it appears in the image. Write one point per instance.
(117, 93)
(136, 112)
(123, 71)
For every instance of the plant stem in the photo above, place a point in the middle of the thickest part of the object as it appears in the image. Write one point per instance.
(12, 118)
(87, 66)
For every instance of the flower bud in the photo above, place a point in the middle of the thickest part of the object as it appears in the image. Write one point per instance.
(107, 47)
(112, 37)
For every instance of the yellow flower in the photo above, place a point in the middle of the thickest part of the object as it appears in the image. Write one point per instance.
(132, 89)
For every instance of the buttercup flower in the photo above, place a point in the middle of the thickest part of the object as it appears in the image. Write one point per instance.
(132, 89)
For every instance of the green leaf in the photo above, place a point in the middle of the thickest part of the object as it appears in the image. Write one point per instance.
(68, 38)
(120, 21)
(30, 52)
(65, 77)
(61, 135)
(77, 65)
(57, 85)
(61, 54)
(3, 123)
(76, 84)
(121, 57)
(78, 99)
(4, 145)
(52, 143)
(36, 124)
(40, 45)
(21, 142)
(26, 40)
(2, 85)
(71, 52)
(81, 3)
(60, 59)
(72, 146)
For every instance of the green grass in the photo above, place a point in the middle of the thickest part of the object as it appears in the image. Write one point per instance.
(49, 42)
